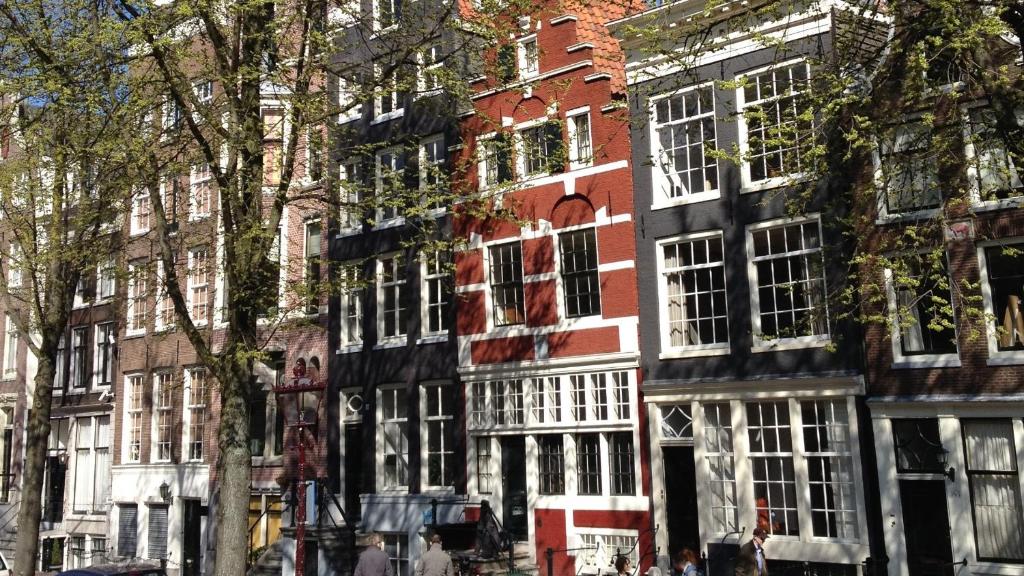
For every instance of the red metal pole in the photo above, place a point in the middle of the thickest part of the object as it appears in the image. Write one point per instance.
(300, 490)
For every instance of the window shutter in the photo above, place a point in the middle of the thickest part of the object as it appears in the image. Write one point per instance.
(506, 63)
(127, 530)
(555, 146)
(158, 532)
(504, 156)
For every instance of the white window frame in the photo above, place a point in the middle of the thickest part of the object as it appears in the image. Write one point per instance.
(199, 264)
(352, 297)
(141, 209)
(161, 379)
(747, 185)
(424, 168)
(593, 559)
(200, 181)
(10, 347)
(491, 301)
(520, 160)
(996, 357)
(403, 422)
(97, 475)
(203, 90)
(313, 298)
(972, 163)
(401, 287)
(73, 373)
(137, 298)
(353, 193)
(445, 420)
(395, 15)
(901, 360)
(427, 62)
(349, 108)
(484, 145)
(106, 281)
(396, 153)
(165, 313)
(527, 63)
(576, 159)
(134, 384)
(191, 409)
(883, 187)
(686, 351)
(434, 270)
(761, 344)
(97, 355)
(397, 108)
(660, 197)
(15, 263)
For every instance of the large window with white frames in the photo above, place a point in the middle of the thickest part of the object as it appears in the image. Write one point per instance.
(439, 432)
(200, 192)
(352, 294)
(581, 146)
(429, 72)
(771, 462)
(393, 448)
(432, 180)
(163, 416)
(140, 216)
(551, 464)
(581, 282)
(551, 401)
(997, 174)
(196, 399)
(352, 195)
(776, 124)
(529, 57)
(92, 464)
(684, 142)
(134, 384)
(993, 476)
(199, 285)
(787, 282)
(695, 315)
(137, 294)
(10, 347)
(103, 362)
(922, 306)
(506, 277)
(436, 292)
(386, 98)
(908, 169)
(390, 184)
(1003, 287)
(830, 472)
(720, 459)
(391, 298)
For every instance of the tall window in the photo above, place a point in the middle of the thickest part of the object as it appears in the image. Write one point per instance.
(495, 157)
(386, 99)
(440, 424)
(909, 170)
(314, 154)
(483, 465)
(580, 280)
(312, 266)
(10, 347)
(140, 221)
(390, 189)
(588, 464)
(777, 122)
(431, 63)
(620, 458)
(273, 145)
(507, 398)
(394, 424)
(923, 308)
(199, 285)
(386, 13)
(163, 385)
(352, 194)
(547, 401)
(104, 363)
(15, 263)
(436, 292)
(164, 302)
(620, 395)
(127, 530)
(578, 395)
(157, 531)
(169, 195)
(396, 546)
(352, 292)
(507, 284)
(997, 174)
(79, 355)
(92, 464)
(790, 281)
(718, 452)
(995, 489)
(826, 431)
(195, 405)
(1005, 267)
(599, 395)
(693, 284)
(771, 461)
(391, 304)
(581, 148)
(60, 371)
(133, 418)
(685, 127)
(76, 551)
(529, 57)
(106, 279)
(542, 149)
(432, 172)
(200, 194)
(479, 415)
(137, 297)
(551, 464)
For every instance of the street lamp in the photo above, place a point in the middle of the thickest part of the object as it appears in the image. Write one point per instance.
(299, 399)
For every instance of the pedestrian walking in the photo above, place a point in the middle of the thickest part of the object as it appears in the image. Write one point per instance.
(751, 560)
(373, 561)
(687, 563)
(435, 562)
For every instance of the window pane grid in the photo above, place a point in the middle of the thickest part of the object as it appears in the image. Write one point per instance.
(436, 283)
(1005, 265)
(830, 468)
(908, 167)
(588, 464)
(694, 277)
(134, 409)
(778, 131)
(923, 297)
(196, 405)
(440, 434)
(771, 461)
(551, 464)
(620, 456)
(396, 441)
(506, 263)
(790, 281)
(392, 288)
(721, 460)
(162, 406)
(483, 465)
(685, 128)
(580, 278)
(995, 488)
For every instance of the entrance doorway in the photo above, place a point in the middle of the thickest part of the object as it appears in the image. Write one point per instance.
(353, 469)
(191, 537)
(513, 476)
(681, 499)
(926, 527)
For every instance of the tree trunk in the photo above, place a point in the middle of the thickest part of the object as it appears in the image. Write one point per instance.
(36, 437)
(233, 469)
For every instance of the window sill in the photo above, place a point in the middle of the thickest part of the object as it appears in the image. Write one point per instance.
(390, 343)
(349, 118)
(163, 329)
(350, 348)
(428, 93)
(378, 32)
(790, 344)
(346, 232)
(393, 115)
(134, 333)
(924, 214)
(695, 353)
(1006, 358)
(1003, 204)
(776, 182)
(389, 223)
(137, 233)
(393, 490)
(690, 199)
(433, 338)
(927, 361)
(198, 217)
(103, 301)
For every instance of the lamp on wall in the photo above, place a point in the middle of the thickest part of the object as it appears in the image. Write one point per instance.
(949, 473)
(165, 492)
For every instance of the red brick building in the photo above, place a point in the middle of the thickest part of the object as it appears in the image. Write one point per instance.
(547, 303)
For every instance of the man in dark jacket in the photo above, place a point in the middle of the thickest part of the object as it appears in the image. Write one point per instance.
(435, 562)
(751, 561)
(374, 561)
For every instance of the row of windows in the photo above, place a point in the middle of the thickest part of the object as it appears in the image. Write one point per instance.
(200, 200)
(537, 149)
(73, 372)
(194, 392)
(776, 131)
(594, 453)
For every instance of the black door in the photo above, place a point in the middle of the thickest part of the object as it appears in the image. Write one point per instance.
(354, 453)
(513, 480)
(926, 527)
(191, 527)
(681, 499)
